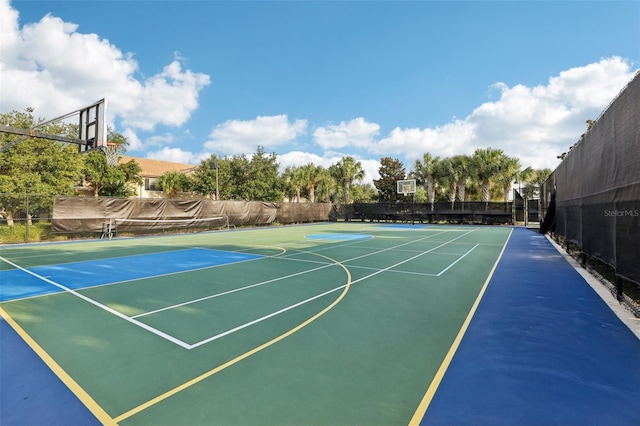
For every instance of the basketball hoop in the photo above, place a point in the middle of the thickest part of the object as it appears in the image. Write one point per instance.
(111, 152)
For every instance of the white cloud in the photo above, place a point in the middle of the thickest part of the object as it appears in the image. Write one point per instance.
(50, 66)
(453, 138)
(177, 155)
(135, 143)
(241, 137)
(534, 124)
(355, 133)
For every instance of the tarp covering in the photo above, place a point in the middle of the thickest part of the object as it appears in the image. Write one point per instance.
(89, 214)
(597, 187)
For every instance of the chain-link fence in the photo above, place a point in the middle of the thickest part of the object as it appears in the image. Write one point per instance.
(25, 217)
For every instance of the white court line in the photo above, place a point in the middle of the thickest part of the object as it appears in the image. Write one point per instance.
(324, 265)
(256, 321)
(285, 257)
(458, 260)
(101, 306)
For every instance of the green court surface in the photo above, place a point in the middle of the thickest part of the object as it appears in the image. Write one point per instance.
(318, 324)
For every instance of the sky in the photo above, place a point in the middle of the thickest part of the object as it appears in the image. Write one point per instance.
(314, 81)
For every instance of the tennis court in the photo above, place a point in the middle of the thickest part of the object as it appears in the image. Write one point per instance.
(342, 323)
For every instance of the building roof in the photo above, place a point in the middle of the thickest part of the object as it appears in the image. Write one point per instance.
(154, 168)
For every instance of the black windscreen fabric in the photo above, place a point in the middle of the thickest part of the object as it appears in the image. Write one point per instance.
(597, 187)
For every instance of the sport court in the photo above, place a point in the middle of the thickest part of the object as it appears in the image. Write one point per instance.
(352, 323)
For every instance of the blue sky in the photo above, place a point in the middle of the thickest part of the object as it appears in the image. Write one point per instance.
(315, 81)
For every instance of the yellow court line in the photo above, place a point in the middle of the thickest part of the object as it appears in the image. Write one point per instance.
(82, 395)
(239, 358)
(431, 391)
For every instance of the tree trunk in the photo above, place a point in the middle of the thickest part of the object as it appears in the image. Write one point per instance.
(10, 219)
(486, 185)
(430, 191)
(462, 188)
(346, 192)
(452, 194)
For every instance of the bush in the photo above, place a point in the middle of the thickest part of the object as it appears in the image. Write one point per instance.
(40, 231)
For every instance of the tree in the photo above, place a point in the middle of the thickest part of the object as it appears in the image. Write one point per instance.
(508, 172)
(292, 183)
(449, 175)
(533, 180)
(107, 180)
(363, 193)
(173, 182)
(36, 165)
(256, 179)
(213, 174)
(486, 165)
(391, 171)
(346, 172)
(424, 172)
(462, 166)
(264, 182)
(311, 175)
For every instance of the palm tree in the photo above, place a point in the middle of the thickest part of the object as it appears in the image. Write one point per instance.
(462, 165)
(347, 171)
(508, 171)
(449, 175)
(486, 164)
(311, 175)
(297, 181)
(424, 173)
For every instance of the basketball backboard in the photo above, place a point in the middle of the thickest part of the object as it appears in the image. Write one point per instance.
(92, 126)
(406, 186)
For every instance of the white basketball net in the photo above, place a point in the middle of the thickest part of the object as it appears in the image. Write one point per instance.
(111, 152)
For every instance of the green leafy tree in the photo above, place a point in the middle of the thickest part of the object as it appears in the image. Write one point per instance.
(104, 179)
(257, 179)
(391, 171)
(35, 165)
(107, 180)
(347, 171)
(363, 193)
(533, 179)
(213, 173)
(173, 182)
(264, 182)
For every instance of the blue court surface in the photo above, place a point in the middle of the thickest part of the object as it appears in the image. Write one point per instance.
(78, 275)
(542, 349)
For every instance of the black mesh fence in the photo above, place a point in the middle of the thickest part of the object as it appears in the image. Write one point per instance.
(493, 213)
(592, 200)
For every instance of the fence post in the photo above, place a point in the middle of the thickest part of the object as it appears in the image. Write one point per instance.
(619, 287)
(26, 223)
